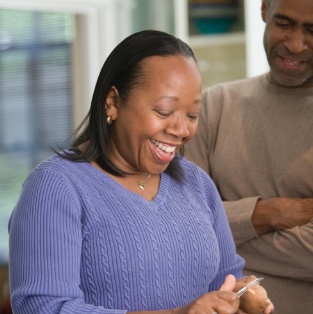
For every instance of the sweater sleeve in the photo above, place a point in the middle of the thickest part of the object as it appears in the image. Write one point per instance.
(45, 248)
(239, 216)
(287, 253)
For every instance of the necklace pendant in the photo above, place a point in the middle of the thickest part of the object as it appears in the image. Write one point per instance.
(141, 183)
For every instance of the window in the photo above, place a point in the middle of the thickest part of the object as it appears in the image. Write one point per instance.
(35, 98)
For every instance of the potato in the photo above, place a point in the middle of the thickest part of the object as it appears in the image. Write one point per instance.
(255, 300)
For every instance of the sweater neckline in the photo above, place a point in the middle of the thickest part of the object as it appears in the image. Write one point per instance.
(103, 177)
(292, 91)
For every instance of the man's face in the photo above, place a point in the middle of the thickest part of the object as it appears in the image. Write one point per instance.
(288, 41)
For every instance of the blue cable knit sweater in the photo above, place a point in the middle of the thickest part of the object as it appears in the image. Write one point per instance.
(82, 243)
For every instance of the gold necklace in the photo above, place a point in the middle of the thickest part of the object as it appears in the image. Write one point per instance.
(141, 183)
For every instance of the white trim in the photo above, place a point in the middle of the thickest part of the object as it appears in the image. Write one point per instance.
(181, 19)
(256, 57)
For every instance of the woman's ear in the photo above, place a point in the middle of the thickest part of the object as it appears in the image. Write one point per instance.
(111, 103)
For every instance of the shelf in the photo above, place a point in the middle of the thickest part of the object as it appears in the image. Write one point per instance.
(217, 39)
(222, 56)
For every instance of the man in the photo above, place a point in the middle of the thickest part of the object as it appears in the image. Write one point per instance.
(255, 139)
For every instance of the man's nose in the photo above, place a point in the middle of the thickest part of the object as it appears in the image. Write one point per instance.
(296, 41)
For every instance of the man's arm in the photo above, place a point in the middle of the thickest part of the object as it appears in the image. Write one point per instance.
(288, 253)
(252, 217)
(281, 213)
(285, 231)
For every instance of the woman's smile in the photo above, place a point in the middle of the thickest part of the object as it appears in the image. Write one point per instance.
(164, 153)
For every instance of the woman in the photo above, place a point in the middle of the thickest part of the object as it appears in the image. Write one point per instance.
(119, 222)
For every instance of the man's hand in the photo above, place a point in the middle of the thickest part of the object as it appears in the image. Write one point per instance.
(281, 213)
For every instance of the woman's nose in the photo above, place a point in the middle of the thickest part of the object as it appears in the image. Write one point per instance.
(178, 126)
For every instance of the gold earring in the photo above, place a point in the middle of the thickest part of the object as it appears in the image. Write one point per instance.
(109, 120)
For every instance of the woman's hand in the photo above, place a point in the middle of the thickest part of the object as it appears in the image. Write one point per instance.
(224, 301)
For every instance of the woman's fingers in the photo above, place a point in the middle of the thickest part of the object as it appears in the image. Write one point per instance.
(229, 283)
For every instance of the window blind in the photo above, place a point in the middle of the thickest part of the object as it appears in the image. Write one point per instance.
(35, 98)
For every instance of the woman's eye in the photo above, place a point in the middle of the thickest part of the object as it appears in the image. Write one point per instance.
(164, 114)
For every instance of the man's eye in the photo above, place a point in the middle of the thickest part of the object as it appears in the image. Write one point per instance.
(282, 24)
(193, 117)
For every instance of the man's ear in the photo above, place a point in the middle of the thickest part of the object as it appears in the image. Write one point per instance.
(111, 103)
(263, 10)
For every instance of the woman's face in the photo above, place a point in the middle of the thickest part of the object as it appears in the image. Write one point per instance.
(160, 115)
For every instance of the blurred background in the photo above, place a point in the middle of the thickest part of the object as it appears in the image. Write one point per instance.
(51, 52)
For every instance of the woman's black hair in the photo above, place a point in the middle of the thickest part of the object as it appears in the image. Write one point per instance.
(123, 70)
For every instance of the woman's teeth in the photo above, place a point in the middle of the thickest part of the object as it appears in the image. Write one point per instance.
(165, 148)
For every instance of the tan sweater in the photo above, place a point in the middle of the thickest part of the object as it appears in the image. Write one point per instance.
(256, 140)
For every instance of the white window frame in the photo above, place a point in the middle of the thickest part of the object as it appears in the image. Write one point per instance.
(100, 26)
(256, 57)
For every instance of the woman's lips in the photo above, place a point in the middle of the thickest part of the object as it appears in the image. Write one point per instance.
(164, 153)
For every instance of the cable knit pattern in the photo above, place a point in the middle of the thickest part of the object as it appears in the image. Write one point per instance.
(82, 243)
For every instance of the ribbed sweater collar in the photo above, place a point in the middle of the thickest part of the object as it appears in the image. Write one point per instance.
(293, 91)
